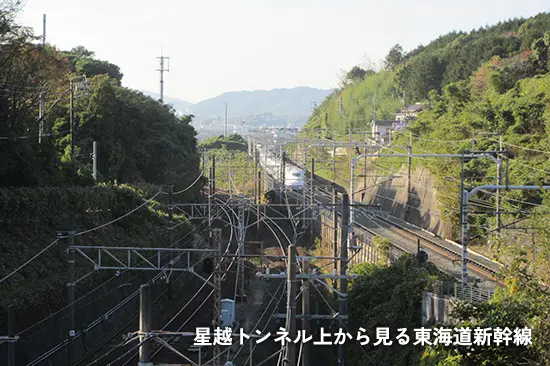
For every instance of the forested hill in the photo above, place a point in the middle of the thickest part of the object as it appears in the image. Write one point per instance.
(138, 139)
(516, 48)
(493, 80)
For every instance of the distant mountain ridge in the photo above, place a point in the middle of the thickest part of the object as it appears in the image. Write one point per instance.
(283, 102)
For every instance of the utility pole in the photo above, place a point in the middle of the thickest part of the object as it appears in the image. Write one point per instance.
(162, 70)
(210, 206)
(409, 168)
(11, 333)
(343, 268)
(335, 229)
(145, 320)
(499, 182)
(170, 234)
(283, 170)
(258, 221)
(225, 130)
(71, 117)
(241, 232)
(70, 291)
(312, 198)
(464, 227)
(290, 354)
(94, 160)
(213, 174)
(216, 323)
(305, 314)
(334, 163)
(41, 102)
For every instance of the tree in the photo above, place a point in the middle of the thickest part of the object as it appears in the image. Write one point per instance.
(395, 57)
(356, 73)
(82, 51)
(541, 47)
(92, 67)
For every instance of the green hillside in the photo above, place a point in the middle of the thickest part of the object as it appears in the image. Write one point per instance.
(491, 83)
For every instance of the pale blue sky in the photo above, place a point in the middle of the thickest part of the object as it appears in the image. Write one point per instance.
(217, 46)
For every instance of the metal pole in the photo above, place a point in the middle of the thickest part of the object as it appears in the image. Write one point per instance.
(216, 323)
(255, 179)
(41, 103)
(352, 188)
(334, 162)
(312, 198)
(464, 228)
(291, 306)
(258, 221)
(499, 182)
(213, 174)
(335, 229)
(251, 351)
(304, 190)
(70, 293)
(283, 170)
(225, 130)
(240, 247)
(343, 267)
(409, 166)
(210, 206)
(11, 333)
(170, 234)
(305, 315)
(145, 320)
(71, 117)
(94, 159)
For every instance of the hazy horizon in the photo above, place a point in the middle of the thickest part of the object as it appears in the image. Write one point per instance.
(217, 47)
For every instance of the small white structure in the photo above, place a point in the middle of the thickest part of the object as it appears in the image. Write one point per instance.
(381, 130)
(228, 313)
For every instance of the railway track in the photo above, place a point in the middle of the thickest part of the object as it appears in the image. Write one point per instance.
(483, 267)
(447, 250)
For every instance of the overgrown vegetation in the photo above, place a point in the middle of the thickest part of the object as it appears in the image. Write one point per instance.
(235, 169)
(494, 81)
(141, 145)
(232, 142)
(139, 140)
(387, 296)
(30, 219)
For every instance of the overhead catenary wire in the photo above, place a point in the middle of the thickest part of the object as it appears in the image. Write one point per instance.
(119, 218)
(30, 260)
(97, 288)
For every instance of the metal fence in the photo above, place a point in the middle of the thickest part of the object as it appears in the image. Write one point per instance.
(454, 289)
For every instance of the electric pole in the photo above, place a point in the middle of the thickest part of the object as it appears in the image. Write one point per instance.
(41, 102)
(218, 270)
(71, 117)
(94, 160)
(499, 182)
(335, 229)
(11, 333)
(225, 129)
(162, 69)
(305, 313)
(290, 354)
(409, 166)
(70, 291)
(145, 325)
(343, 268)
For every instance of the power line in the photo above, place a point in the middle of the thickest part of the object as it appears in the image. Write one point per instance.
(30, 260)
(118, 218)
(524, 148)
